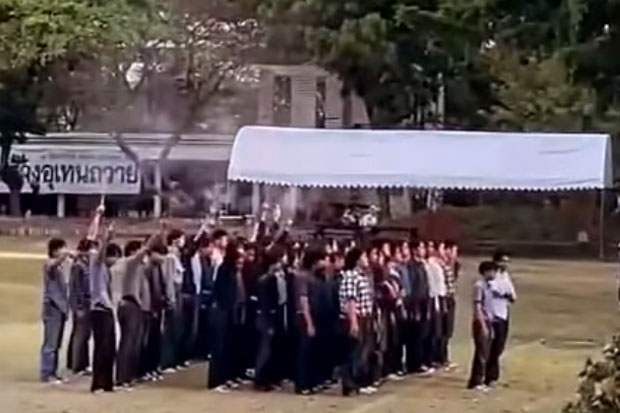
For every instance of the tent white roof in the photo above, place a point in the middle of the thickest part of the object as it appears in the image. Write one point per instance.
(421, 159)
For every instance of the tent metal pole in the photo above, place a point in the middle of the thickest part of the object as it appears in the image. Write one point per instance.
(602, 226)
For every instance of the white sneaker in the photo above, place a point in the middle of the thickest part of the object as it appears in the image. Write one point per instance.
(450, 366)
(170, 370)
(223, 389)
(367, 391)
(232, 385)
(395, 377)
(482, 388)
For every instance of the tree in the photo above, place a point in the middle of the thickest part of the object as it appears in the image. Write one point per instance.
(200, 51)
(33, 36)
(599, 390)
(395, 54)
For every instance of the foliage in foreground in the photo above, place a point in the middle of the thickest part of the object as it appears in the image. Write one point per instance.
(599, 391)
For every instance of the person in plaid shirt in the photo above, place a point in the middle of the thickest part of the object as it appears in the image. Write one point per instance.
(449, 258)
(356, 306)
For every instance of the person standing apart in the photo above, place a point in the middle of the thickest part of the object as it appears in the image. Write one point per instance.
(55, 309)
(504, 295)
(482, 326)
(102, 314)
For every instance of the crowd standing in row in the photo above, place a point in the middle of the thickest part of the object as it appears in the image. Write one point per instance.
(266, 309)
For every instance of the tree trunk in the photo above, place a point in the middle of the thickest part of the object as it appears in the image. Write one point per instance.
(15, 203)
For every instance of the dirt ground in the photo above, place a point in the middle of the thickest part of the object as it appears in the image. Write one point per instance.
(566, 311)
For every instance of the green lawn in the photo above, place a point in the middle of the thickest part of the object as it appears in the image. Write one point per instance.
(566, 311)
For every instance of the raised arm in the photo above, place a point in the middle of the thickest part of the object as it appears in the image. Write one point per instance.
(93, 228)
(58, 261)
(108, 233)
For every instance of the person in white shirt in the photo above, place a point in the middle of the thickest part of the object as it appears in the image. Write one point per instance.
(437, 295)
(503, 296)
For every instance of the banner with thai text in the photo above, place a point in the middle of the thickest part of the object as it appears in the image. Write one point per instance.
(81, 171)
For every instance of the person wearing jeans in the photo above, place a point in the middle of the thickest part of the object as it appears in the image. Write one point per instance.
(55, 309)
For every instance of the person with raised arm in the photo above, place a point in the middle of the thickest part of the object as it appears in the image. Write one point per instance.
(102, 313)
(79, 299)
(130, 316)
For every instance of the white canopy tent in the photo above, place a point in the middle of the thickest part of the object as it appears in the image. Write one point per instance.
(421, 159)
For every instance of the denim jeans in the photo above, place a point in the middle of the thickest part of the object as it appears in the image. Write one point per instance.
(53, 329)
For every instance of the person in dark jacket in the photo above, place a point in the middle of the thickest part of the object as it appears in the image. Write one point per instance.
(155, 286)
(418, 308)
(311, 313)
(79, 301)
(205, 298)
(226, 298)
(266, 371)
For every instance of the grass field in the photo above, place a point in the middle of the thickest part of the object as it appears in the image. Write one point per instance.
(566, 311)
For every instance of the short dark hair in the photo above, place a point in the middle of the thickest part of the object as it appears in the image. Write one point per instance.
(132, 247)
(272, 256)
(113, 251)
(231, 255)
(54, 245)
(220, 233)
(174, 235)
(499, 254)
(449, 243)
(335, 256)
(84, 245)
(160, 248)
(204, 242)
(486, 266)
(312, 256)
(352, 258)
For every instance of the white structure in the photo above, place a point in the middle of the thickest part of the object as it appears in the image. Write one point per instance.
(421, 159)
(93, 164)
(323, 158)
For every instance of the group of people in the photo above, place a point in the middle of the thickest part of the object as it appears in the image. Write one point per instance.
(265, 309)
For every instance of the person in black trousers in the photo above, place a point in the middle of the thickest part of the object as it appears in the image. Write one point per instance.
(205, 299)
(155, 289)
(419, 358)
(79, 301)
(221, 376)
(310, 368)
(267, 293)
(130, 315)
(102, 315)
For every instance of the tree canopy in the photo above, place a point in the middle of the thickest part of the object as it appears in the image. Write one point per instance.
(400, 54)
